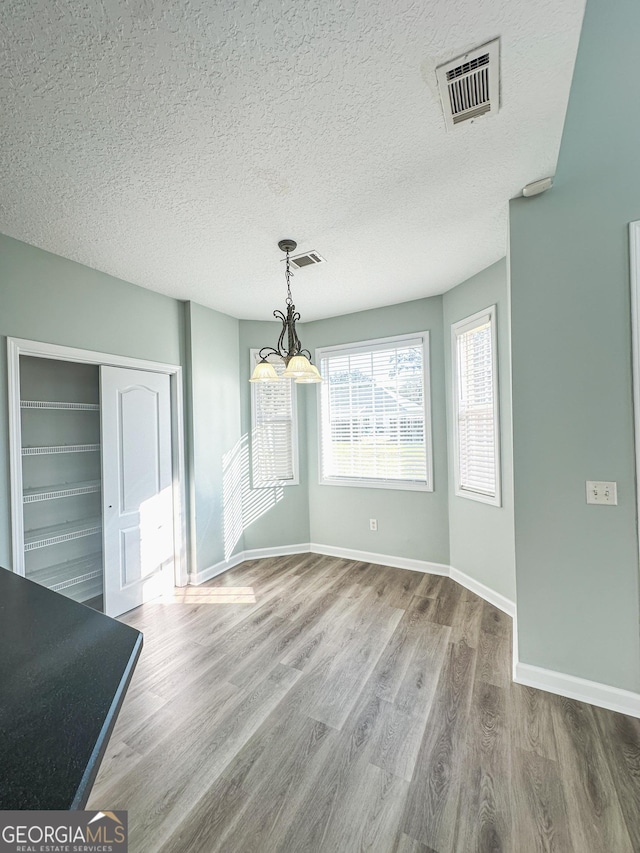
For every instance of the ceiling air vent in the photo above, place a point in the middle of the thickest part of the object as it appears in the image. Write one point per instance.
(470, 85)
(306, 260)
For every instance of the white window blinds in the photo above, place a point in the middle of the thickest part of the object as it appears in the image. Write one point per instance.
(374, 404)
(476, 412)
(273, 438)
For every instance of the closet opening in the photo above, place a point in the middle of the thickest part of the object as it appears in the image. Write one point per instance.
(96, 474)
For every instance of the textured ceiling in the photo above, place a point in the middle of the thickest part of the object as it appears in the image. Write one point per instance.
(173, 144)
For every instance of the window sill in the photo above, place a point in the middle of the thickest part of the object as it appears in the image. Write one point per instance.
(395, 485)
(479, 497)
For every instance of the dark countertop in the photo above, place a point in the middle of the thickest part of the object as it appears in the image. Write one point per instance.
(64, 671)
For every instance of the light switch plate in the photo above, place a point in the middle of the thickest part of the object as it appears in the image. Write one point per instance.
(600, 492)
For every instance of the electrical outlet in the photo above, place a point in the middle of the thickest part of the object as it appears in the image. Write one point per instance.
(373, 524)
(599, 492)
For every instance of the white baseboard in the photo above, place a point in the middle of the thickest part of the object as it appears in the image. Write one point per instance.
(253, 554)
(514, 646)
(313, 548)
(278, 551)
(381, 559)
(196, 578)
(593, 692)
(490, 595)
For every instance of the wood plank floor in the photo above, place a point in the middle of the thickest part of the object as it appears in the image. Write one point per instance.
(316, 704)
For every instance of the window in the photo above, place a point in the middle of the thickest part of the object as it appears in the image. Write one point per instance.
(475, 401)
(374, 414)
(274, 440)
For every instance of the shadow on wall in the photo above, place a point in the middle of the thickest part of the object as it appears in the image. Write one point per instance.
(242, 505)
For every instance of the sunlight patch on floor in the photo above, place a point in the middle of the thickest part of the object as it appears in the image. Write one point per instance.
(211, 595)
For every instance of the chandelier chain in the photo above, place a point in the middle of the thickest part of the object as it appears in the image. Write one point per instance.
(288, 273)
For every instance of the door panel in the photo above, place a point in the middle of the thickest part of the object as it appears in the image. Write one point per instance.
(137, 487)
(139, 418)
(130, 561)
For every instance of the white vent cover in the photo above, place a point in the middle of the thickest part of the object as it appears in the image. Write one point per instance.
(306, 259)
(470, 85)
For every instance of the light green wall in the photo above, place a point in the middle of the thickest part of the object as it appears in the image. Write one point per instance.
(577, 565)
(273, 517)
(410, 524)
(214, 432)
(481, 537)
(44, 297)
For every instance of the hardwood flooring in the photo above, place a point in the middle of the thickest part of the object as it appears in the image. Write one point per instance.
(316, 704)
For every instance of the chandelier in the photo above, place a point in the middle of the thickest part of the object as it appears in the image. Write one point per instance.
(289, 349)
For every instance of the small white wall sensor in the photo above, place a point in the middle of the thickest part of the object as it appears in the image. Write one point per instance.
(537, 187)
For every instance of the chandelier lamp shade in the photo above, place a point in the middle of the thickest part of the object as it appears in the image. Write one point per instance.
(288, 348)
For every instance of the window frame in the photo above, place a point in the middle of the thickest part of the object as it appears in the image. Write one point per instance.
(266, 484)
(368, 346)
(467, 324)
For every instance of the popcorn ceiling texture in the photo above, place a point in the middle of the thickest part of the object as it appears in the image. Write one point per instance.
(173, 144)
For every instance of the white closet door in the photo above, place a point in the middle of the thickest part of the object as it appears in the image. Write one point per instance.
(137, 489)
